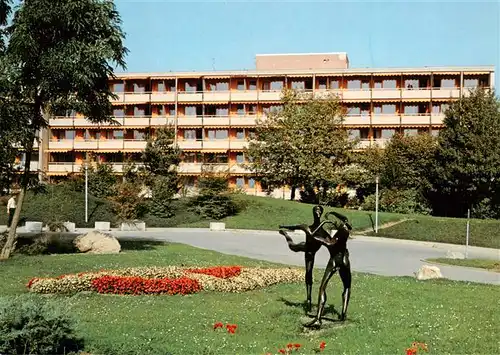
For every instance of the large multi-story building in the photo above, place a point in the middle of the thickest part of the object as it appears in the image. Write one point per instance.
(215, 112)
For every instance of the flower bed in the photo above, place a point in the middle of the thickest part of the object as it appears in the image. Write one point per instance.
(167, 280)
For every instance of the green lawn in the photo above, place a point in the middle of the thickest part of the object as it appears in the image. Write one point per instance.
(385, 316)
(492, 265)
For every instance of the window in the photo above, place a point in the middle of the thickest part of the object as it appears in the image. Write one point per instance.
(447, 83)
(322, 84)
(139, 111)
(298, 85)
(189, 87)
(189, 158)
(118, 87)
(69, 134)
(171, 86)
(354, 84)
(388, 109)
(354, 133)
(251, 183)
(118, 112)
(365, 111)
(161, 110)
(118, 134)
(139, 88)
(363, 133)
(471, 83)
(411, 84)
(387, 133)
(222, 86)
(172, 111)
(252, 134)
(377, 110)
(240, 109)
(190, 110)
(365, 85)
(240, 182)
(411, 110)
(266, 86)
(189, 134)
(86, 135)
(240, 134)
(240, 158)
(276, 85)
(275, 108)
(435, 132)
(221, 111)
(221, 134)
(377, 85)
(444, 107)
(411, 132)
(252, 85)
(334, 84)
(240, 85)
(161, 86)
(354, 111)
(252, 109)
(139, 135)
(389, 84)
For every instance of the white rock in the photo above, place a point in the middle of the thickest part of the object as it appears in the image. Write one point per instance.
(217, 226)
(102, 226)
(427, 272)
(33, 227)
(97, 243)
(71, 227)
(454, 255)
(133, 226)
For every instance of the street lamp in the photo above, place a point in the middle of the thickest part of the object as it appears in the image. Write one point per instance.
(376, 203)
(86, 192)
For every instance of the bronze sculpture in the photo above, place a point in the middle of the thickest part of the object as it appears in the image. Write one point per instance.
(339, 258)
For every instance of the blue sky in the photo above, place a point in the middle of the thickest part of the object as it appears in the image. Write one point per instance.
(165, 35)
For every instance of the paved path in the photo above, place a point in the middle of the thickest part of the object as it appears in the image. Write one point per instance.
(381, 256)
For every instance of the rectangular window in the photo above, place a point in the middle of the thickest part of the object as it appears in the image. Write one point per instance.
(171, 86)
(221, 111)
(211, 134)
(139, 88)
(221, 134)
(389, 84)
(298, 85)
(388, 109)
(354, 84)
(190, 110)
(377, 133)
(161, 86)
(354, 111)
(377, 110)
(240, 134)
(172, 111)
(139, 111)
(118, 112)
(365, 85)
(160, 110)
(252, 85)
(252, 109)
(189, 134)
(222, 86)
(365, 112)
(436, 108)
(240, 182)
(444, 108)
(447, 83)
(251, 183)
(411, 132)
(354, 133)
(276, 85)
(240, 109)
(118, 87)
(435, 132)
(334, 84)
(240, 158)
(189, 157)
(69, 134)
(322, 84)
(240, 85)
(139, 135)
(377, 85)
(189, 87)
(388, 133)
(471, 83)
(266, 86)
(411, 110)
(275, 108)
(411, 84)
(363, 133)
(86, 135)
(118, 134)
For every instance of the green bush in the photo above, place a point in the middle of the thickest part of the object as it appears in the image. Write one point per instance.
(36, 326)
(398, 201)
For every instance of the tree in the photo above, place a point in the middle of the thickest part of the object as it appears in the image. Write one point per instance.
(468, 157)
(161, 159)
(101, 180)
(301, 145)
(60, 58)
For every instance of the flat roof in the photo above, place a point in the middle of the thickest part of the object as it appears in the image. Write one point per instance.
(278, 72)
(289, 54)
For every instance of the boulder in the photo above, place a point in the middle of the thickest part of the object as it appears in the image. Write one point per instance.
(454, 255)
(427, 272)
(97, 243)
(217, 226)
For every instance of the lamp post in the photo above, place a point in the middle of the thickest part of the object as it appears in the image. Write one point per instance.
(376, 203)
(86, 192)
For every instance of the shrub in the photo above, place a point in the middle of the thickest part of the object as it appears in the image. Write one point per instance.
(29, 326)
(162, 191)
(398, 201)
(127, 201)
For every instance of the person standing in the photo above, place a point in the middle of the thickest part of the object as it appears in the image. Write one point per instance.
(11, 208)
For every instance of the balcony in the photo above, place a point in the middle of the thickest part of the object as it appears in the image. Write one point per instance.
(363, 144)
(417, 119)
(190, 96)
(216, 121)
(389, 119)
(422, 94)
(137, 97)
(356, 94)
(190, 168)
(20, 165)
(120, 97)
(274, 95)
(437, 118)
(322, 94)
(445, 93)
(63, 144)
(133, 144)
(112, 144)
(83, 122)
(190, 144)
(356, 120)
(190, 121)
(160, 97)
(216, 96)
(56, 167)
(386, 94)
(238, 144)
(248, 95)
(218, 144)
(136, 121)
(239, 169)
(381, 142)
(61, 121)
(85, 144)
(162, 120)
(244, 121)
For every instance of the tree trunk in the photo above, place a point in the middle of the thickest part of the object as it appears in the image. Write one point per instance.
(292, 193)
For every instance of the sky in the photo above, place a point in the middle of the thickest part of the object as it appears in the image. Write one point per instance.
(165, 35)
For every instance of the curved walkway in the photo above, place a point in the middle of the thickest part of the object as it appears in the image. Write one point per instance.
(381, 256)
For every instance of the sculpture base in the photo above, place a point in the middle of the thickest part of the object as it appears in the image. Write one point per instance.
(327, 323)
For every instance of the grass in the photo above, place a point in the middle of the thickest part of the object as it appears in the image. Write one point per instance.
(385, 316)
(492, 265)
(483, 233)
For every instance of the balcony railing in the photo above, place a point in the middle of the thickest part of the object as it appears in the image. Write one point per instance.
(76, 167)
(217, 144)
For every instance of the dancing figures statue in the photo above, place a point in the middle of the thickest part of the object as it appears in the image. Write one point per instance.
(309, 247)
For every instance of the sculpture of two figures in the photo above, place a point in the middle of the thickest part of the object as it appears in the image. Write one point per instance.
(317, 236)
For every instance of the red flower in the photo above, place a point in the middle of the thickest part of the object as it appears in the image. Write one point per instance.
(411, 351)
(297, 346)
(231, 328)
(289, 346)
(322, 346)
(282, 351)
(218, 325)
(223, 272)
(138, 285)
